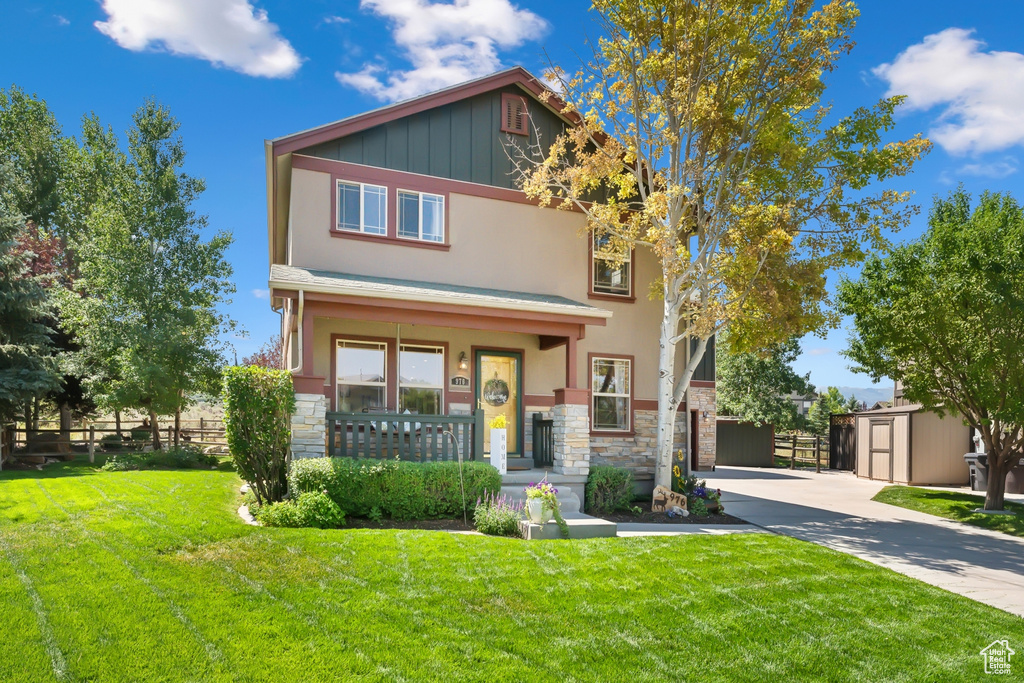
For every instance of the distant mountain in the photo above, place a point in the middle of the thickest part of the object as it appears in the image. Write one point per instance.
(869, 395)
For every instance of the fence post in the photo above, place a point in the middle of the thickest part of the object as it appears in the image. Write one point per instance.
(792, 455)
(817, 453)
(478, 434)
(202, 428)
(92, 443)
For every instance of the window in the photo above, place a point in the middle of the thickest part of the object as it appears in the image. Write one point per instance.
(611, 394)
(361, 375)
(421, 216)
(514, 115)
(362, 208)
(611, 268)
(421, 379)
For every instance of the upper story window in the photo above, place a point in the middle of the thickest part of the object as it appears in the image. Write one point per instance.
(421, 216)
(611, 269)
(514, 116)
(362, 208)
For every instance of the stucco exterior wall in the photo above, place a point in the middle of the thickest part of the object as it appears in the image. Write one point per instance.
(495, 244)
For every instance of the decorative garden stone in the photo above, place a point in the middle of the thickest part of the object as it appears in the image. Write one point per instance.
(665, 499)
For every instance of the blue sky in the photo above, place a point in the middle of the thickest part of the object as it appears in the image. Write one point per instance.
(236, 72)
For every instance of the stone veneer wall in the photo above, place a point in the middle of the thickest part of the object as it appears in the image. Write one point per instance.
(703, 399)
(571, 431)
(637, 452)
(309, 426)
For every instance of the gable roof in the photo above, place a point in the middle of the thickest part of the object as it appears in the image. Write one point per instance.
(516, 75)
(278, 150)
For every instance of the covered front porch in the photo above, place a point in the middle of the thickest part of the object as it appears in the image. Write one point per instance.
(389, 368)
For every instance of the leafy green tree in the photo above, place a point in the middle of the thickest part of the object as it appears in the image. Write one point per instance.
(154, 331)
(27, 368)
(830, 402)
(702, 137)
(945, 316)
(756, 386)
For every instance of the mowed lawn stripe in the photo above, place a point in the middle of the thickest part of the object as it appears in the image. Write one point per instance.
(304, 604)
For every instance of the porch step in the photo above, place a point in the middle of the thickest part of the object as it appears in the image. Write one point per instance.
(580, 526)
(571, 487)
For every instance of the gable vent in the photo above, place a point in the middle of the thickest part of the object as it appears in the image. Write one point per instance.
(514, 115)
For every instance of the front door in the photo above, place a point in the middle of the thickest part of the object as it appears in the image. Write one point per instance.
(499, 391)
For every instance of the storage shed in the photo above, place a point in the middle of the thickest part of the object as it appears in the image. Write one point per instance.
(909, 445)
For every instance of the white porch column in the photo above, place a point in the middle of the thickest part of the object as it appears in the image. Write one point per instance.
(571, 431)
(309, 426)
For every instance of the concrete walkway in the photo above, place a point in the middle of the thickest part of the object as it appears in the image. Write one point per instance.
(835, 509)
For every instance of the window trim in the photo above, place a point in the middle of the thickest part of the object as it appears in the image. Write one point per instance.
(507, 97)
(443, 347)
(419, 205)
(357, 339)
(605, 296)
(391, 181)
(338, 182)
(630, 410)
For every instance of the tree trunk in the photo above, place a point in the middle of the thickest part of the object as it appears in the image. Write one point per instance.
(35, 414)
(65, 422)
(177, 426)
(666, 401)
(155, 429)
(994, 492)
(117, 422)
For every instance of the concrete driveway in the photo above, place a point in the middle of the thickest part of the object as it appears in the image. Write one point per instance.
(835, 509)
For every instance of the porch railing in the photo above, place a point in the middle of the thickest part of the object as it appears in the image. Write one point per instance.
(405, 437)
(543, 441)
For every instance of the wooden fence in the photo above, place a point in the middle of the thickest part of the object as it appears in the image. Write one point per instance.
(36, 445)
(805, 450)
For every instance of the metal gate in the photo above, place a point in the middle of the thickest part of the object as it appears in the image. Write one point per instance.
(842, 439)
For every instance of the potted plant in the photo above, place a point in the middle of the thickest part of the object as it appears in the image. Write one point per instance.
(541, 502)
(499, 444)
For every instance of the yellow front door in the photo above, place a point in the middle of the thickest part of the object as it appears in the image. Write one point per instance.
(499, 387)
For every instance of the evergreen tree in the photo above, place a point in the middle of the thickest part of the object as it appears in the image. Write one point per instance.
(27, 369)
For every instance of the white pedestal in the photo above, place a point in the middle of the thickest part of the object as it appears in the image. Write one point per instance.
(499, 450)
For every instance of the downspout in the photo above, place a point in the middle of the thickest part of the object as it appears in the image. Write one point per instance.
(297, 370)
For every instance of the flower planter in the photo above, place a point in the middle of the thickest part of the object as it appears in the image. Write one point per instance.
(537, 513)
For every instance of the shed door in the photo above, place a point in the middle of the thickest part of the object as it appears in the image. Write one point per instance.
(880, 449)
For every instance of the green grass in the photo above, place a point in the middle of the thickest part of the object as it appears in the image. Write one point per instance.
(150, 575)
(952, 505)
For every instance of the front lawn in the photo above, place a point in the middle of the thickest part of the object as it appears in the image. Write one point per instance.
(150, 575)
(952, 505)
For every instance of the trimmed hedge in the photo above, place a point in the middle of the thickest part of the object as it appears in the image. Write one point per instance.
(395, 489)
(609, 489)
(258, 407)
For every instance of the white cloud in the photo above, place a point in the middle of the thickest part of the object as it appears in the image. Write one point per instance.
(981, 93)
(820, 351)
(229, 33)
(61, 20)
(446, 43)
(335, 20)
(261, 293)
(995, 169)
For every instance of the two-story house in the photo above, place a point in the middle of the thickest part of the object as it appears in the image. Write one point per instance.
(413, 276)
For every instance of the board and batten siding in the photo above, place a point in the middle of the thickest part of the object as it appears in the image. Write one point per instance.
(460, 141)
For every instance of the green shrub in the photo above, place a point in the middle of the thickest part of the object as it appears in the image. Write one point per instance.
(314, 509)
(181, 458)
(258, 405)
(111, 443)
(609, 489)
(395, 489)
(498, 516)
